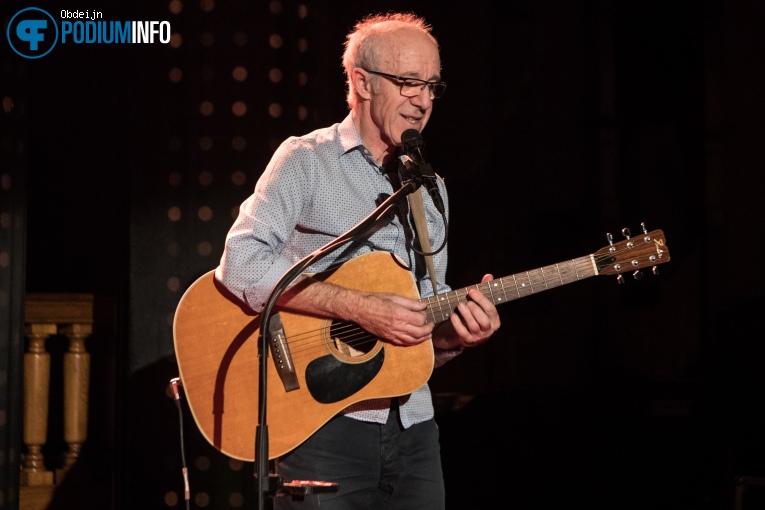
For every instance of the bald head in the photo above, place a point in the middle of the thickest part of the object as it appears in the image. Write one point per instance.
(378, 40)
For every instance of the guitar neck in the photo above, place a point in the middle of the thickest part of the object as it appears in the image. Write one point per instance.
(515, 286)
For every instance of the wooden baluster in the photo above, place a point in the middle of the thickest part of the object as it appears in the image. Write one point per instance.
(76, 386)
(36, 397)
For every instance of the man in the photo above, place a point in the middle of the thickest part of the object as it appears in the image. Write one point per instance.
(383, 453)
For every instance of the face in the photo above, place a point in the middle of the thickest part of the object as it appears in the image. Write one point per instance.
(411, 54)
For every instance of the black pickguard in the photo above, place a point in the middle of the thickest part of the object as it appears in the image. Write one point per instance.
(330, 380)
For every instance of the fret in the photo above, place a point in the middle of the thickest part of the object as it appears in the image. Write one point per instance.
(494, 299)
(550, 281)
(444, 305)
(429, 312)
(517, 289)
(433, 302)
(544, 278)
(438, 303)
(530, 280)
(576, 274)
(491, 294)
(525, 284)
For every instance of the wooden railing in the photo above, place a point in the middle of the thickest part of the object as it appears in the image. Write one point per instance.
(47, 316)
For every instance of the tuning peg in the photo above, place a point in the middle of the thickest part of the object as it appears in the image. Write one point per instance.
(610, 238)
(655, 269)
(638, 275)
(642, 225)
(620, 279)
(626, 232)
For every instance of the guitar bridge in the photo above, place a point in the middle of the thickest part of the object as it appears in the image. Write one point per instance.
(280, 353)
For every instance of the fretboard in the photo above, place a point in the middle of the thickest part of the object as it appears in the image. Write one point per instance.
(515, 286)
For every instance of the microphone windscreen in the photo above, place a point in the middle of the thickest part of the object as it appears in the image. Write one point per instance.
(411, 139)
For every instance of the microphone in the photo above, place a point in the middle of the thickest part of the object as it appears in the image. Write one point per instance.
(414, 147)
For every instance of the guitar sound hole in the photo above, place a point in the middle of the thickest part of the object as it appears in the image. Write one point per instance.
(349, 339)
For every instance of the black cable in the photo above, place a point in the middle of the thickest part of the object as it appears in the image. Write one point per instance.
(443, 244)
(184, 469)
(422, 173)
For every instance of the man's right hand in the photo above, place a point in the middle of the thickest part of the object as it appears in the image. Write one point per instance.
(396, 319)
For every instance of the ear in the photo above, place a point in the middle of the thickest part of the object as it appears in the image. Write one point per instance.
(361, 83)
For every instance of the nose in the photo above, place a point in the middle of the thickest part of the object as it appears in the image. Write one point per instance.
(423, 99)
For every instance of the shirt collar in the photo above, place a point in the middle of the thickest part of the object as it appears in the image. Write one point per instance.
(350, 140)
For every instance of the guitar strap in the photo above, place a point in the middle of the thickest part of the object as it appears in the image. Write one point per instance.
(418, 213)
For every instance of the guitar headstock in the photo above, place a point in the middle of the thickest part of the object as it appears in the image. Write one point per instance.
(632, 254)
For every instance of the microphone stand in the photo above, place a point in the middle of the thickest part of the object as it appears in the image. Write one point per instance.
(265, 482)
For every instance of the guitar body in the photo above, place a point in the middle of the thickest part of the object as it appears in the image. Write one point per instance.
(216, 348)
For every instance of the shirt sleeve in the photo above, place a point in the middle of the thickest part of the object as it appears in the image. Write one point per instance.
(253, 260)
(442, 356)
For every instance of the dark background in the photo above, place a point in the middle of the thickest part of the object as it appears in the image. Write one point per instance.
(563, 121)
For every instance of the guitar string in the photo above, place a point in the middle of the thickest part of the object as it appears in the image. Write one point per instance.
(352, 335)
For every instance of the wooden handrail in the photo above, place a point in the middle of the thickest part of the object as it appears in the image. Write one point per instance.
(58, 308)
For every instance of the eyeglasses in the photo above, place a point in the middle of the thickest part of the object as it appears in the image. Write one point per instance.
(412, 87)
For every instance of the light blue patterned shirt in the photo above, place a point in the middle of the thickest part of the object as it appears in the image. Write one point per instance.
(315, 189)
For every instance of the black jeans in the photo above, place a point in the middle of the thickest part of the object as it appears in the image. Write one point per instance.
(376, 466)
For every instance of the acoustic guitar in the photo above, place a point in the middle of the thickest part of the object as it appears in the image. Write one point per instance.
(318, 367)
